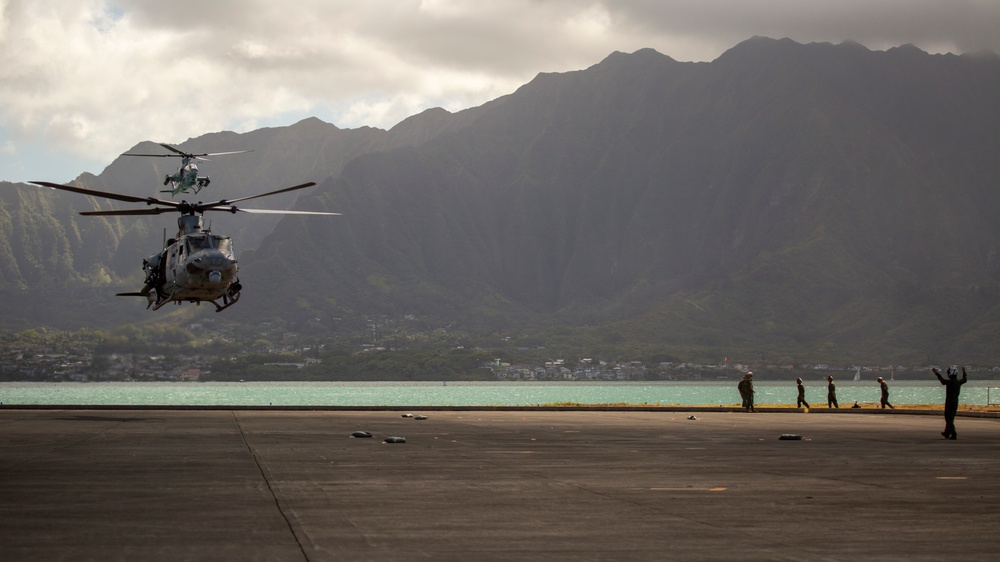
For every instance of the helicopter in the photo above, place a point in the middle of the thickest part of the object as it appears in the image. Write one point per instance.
(197, 265)
(186, 179)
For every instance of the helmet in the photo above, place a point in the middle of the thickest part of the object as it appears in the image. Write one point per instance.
(829, 378)
(798, 379)
(880, 379)
(952, 372)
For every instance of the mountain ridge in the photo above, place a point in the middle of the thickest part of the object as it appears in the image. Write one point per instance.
(784, 197)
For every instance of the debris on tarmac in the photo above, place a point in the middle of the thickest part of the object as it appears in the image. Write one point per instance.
(361, 434)
(395, 440)
(790, 437)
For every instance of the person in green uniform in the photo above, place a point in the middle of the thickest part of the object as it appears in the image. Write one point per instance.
(831, 393)
(801, 400)
(885, 394)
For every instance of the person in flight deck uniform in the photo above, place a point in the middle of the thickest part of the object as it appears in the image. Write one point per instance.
(750, 407)
(885, 394)
(831, 393)
(801, 400)
(952, 387)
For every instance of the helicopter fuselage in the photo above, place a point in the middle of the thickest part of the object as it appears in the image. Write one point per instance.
(196, 266)
(186, 179)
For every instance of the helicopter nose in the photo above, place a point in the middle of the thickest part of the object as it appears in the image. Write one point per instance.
(214, 260)
(212, 267)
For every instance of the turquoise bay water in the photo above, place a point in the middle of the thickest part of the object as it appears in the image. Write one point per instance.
(471, 393)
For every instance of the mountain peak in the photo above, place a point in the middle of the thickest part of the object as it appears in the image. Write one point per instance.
(313, 123)
(759, 48)
(909, 50)
(852, 45)
(642, 56)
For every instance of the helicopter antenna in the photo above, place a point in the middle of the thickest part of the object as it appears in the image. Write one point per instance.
(164, 237)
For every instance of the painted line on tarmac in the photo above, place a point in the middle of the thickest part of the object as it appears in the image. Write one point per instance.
(688, 489)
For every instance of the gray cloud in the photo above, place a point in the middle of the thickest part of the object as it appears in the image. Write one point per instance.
(94, 77)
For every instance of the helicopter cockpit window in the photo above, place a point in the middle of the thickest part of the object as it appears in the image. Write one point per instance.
(196, 243)
(223, 243)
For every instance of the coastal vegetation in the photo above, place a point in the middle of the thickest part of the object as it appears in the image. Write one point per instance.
(231, 352)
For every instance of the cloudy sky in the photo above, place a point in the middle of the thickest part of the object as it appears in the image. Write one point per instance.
(82, 81)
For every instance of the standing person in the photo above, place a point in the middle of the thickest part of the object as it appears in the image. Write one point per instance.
(742, 387)
(750, 407)
(952, 387)
(831, 393)
(885, 394)
(801, 400)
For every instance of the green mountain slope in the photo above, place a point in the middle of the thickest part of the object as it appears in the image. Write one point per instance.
(805, 198)
(783, 200)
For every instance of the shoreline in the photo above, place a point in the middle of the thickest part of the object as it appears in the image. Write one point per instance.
(902, 409)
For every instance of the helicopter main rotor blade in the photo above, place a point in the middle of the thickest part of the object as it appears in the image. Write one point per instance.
(270, 211)
(177, 153)
(127, 212)
(107, 194)
(175, 206)
(223, 153)
(177, 150)
(224, 202)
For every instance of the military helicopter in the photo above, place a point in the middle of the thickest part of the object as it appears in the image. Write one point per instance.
(187, 178)
(197, 266)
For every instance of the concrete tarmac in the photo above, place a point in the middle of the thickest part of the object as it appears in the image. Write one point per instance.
(495, 485)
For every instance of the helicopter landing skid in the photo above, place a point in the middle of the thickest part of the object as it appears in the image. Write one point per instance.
(226, 302)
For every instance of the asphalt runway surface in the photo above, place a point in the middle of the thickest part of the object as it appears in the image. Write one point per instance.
(495, 485)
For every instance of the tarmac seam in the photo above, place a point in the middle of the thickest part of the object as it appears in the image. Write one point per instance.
(270, 489)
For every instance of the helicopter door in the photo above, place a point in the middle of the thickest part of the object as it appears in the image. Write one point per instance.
(175, 258)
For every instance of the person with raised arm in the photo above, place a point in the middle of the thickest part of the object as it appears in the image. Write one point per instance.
(953, 385)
